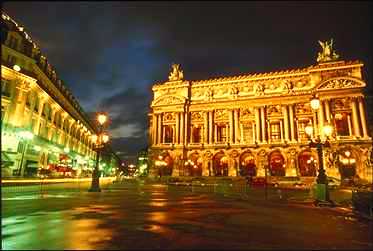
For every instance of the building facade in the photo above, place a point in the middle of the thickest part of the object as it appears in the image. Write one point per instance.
(34, 99)
(249, 124)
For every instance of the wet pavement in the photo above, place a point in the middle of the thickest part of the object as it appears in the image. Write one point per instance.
(151, 216)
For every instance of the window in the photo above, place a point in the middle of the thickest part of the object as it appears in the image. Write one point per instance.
(36, 106)
(341, 124)
(196, 134)
(301, 129)
(247, 133)
(222, 133)
(5, 88)
(168, 133)
(275, 131)
(28, 100)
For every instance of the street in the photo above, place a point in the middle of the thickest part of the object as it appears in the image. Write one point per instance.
(137, 215)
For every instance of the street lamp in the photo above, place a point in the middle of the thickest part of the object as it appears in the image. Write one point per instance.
(322, 192)
(189, 164)
(25, 136)
(99, 140)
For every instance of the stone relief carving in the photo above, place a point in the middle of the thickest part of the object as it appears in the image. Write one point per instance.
(274, 110)
(196, 116)
(176, 73)
(259, 89)
(233, 91)
(339, 83)
(302, 108)
(169, 101)
(246, 113)
(288, 86)
(221, 114)
(168, 117)
(209, 93)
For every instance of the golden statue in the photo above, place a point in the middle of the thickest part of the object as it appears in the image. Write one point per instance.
(176, 74)
(327, 54)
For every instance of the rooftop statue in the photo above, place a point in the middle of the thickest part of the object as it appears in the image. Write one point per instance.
(327, 54)
(176, 74)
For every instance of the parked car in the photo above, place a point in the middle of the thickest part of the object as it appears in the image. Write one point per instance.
(288, 182)
(333, 183)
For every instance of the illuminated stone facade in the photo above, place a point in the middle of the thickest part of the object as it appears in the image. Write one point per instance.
(238, 126)
(33, 98)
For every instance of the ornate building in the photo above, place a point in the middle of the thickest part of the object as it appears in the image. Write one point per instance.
(34, 99)
(244, 125)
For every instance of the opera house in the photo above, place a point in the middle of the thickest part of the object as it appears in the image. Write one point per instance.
(253, 123)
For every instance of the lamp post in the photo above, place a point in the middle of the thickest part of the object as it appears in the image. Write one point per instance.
(322, 191)
(100, 140)
(25, 136)
(189, 164)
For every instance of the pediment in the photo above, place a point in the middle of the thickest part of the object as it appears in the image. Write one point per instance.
(341, 83)
(169, 100)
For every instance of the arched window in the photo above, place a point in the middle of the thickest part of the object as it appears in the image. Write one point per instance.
(307, 164)
(247, 164)
(276, 164)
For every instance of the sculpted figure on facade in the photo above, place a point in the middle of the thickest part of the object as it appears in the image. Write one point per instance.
(209, 94)
(327, 54)
(288, 86)
(176, 73)
(259, 89)
(233, 91)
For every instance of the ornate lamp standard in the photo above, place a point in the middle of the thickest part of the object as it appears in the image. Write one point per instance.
(189, 164)
(25, 136)
(100, 140)
(322, 192)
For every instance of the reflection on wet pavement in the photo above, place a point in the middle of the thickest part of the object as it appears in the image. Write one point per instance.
(151, 217)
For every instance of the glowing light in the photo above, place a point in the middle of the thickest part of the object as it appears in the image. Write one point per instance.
(315, 103)
(328, 130)
(105, 138)
(37, 148)
(94, 138)
(16, 67)
(347, 153)
(309, 129)
(66, 150)
(101, 118)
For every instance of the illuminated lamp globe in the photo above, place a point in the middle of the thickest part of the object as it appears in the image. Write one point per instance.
(309, 129)
(347, 153)
(315, 103)
(16, 67)
(101, 118)
(105, 138)
(328, 130)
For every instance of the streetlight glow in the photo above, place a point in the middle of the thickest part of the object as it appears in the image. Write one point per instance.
(328, 130)
(309, 129)
(105, 138)
(16, 68)
(315, 103)
(101, 118)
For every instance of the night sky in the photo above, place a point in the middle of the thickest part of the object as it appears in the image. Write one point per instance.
(111, 53)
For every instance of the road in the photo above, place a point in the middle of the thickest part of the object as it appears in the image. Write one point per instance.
(135, 215)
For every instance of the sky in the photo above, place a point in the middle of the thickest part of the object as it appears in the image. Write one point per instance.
(109, 54)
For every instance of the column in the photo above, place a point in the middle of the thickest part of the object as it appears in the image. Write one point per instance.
(154, 129)
(186, 128)
(173, 134)
(355, 119)
(215, 133)
(206, 127)
(182, 131)
(281, 131)
(291, 119)
(211, 127)
(363, 118)
(18, 117)
(269, 131)
(231, 126)
(236, 127)
(286, 123)
(257, 124)
(42, 100)
(241, 134)
(349, 125)
(327, 110)
(177, 128)
(253, 126)
(159, 129)
(263, 125)
(227, 133)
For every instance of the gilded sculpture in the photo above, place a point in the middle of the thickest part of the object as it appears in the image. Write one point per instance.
(176, 74)
(327, 54)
